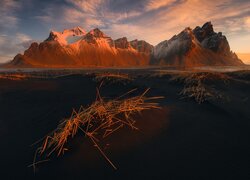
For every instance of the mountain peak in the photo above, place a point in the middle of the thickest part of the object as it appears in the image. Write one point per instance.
(185, 35)
(202, 32)
(96, 33)
(134, 41)
(201, 46)
(142, 46)
(76, 31)
(188, 29)
(97, 37)
(187, 32)
(208, 26)
(66, 37)
(122, 43)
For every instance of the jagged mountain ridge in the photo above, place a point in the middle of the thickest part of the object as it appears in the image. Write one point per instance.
(199, 47)
(88, 49)
(67, 36)
(77, 48)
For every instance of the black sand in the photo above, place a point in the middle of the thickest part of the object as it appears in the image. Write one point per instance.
(185, 140)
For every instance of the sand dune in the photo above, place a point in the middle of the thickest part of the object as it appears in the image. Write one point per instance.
(183, 140)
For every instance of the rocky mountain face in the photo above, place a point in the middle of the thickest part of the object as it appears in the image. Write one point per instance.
(142, 46)
(77, 48)
(199, 47)
(122, 43)
(67, 36)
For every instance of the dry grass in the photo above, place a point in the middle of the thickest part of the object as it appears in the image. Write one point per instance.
(37, 75)
(112, 77)
(189, 78)
(14, 77)
(101, 119)
(195, 85)
(199, 93)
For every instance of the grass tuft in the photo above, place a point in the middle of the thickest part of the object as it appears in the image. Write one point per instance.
(14, 77)
(98, 121)
(196, 85)
(112, 77)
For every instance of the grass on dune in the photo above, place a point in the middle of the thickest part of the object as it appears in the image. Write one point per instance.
(194, 77)
(196, 87)
(112, 77)
(14, 77)
(96, 122)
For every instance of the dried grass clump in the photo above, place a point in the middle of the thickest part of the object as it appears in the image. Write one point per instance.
(195, 85)
(189, 77)
(199, 93)
(14, 77)
(101, 119)
(112, 77)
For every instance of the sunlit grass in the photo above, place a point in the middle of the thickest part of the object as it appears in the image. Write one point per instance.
(97, 121)
(14, 77)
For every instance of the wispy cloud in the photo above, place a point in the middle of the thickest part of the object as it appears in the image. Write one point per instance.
(247, 22)
(228, 16)
(156, 4)
(74, 16)
(88, 6)
(7, 13)
(10, 46)
(22, 37)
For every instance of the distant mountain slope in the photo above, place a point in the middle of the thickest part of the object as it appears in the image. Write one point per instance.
(78, 48)
(199, 47)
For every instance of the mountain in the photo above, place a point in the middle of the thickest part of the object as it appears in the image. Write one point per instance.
(122, 43)
(67, 36)
(195, 47)
(77, 48)
(142, 46)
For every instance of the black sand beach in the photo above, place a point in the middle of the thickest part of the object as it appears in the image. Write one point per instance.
(184, 140)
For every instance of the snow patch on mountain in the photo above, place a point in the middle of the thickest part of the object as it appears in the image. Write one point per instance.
(68, 36)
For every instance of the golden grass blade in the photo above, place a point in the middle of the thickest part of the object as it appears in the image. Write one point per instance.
(101, 119)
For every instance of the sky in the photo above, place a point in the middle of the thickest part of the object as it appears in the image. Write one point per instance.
(25, 21)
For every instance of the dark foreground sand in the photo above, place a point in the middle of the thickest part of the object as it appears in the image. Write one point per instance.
(185, 140)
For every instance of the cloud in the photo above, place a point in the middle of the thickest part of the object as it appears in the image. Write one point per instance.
(7, 13)
(44, 18)
(22, 37)
(156, 4)
(247, 22)
(98, 12)
(11, 45)
(74, 16)
(88, 6)
(227, 16)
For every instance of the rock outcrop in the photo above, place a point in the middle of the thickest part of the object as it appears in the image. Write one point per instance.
(142, 46)
(199, 47)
